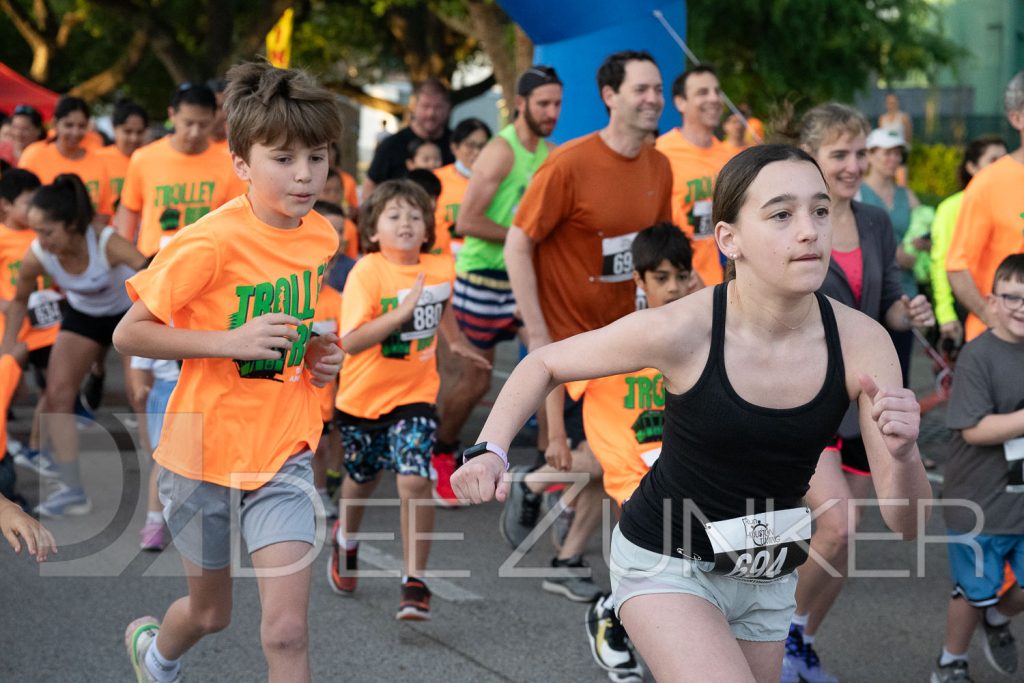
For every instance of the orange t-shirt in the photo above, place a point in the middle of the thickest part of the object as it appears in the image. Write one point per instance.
(351, 239)
(622, 418)
(694, 172)
(350, 193)
(37, 331)
(43, 159)
(583, 208)
(91, 140)
(403, 368)
(754, 127)
(325, 321)
(10, 375)
(231, 417)
(221, 145)
(117, 168)
(990, 227)
(453, 189)
(171, 190)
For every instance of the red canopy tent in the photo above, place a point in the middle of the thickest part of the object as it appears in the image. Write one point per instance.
(15, 89)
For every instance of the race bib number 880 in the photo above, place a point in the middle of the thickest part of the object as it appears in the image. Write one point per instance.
(426, 317)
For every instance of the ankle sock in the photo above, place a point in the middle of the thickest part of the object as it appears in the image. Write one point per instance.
(808, 639)
(948, 657)
(344, 542)
(154, 517)
(160, 668)
(800, 620)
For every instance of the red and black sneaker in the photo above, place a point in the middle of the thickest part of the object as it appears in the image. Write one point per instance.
(415, 604)
(342, 579)
(444, 466)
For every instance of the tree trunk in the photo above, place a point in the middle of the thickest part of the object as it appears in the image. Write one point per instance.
(490, 26)
(111, 78)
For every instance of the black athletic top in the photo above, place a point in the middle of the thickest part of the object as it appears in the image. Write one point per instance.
(733, 460)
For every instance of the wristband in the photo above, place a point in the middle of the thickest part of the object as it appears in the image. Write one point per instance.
(485, 447)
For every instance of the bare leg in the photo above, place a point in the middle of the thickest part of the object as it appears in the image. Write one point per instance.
(458, 399)
(961, 620)
(284, 624)
(205, 610)
(70, 360)
(417, 520)
(350, 511)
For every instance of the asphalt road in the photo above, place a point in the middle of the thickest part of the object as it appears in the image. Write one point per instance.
(64, 620)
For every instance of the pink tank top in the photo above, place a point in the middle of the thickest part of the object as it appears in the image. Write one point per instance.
(852, 264)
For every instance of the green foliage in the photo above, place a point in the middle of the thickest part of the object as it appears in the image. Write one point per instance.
(932, 171)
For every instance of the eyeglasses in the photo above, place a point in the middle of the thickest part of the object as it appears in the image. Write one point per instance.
(1011, 301)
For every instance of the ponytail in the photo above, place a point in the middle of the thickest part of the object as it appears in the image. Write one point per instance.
(66, 200)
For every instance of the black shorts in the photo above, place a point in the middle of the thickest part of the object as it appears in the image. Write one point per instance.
(99, 328)
(854, 455)
(573, 416)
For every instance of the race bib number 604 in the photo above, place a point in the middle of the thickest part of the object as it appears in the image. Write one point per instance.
(761, 546)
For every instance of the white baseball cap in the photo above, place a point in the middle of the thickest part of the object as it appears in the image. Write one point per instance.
(886, 138)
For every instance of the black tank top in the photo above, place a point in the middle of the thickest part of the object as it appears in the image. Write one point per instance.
(732, 475)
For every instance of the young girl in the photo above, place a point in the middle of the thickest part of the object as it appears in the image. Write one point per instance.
(425, 154)
(129, 121)
(393, 307)
(757, 374)
(468, 138)
(90, 266)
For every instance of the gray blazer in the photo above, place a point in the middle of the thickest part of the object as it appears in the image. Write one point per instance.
(881, 283)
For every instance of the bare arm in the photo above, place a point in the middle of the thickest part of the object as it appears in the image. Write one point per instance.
(457, 342)
(966, 292)
(523, 277)
(377, 330)
(122, 252)
(493, 165)
(126, 222)
(906, 313)
(368, 187)
(17, 308)
(993, 430)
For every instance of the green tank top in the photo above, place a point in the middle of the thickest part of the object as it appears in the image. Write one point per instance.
(481, 254)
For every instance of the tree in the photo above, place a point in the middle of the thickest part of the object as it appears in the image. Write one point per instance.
(810, 51)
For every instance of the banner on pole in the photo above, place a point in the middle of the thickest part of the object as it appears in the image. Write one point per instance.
(279, 41)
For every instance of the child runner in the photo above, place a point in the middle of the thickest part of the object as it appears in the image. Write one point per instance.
(757, 375)
(90, 266)
(240, 286)
(986, 414)
(393, 307)
(468, 138)
(129, 121)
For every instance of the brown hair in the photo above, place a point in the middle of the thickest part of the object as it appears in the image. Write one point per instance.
(263, 103)
(372, 208)
(827, 121)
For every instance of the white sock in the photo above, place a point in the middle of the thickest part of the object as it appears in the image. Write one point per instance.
(162, 669)
(154, 517)
(948, 657)
(808, 639)
(995, 618)
(800, 620)
(344, 543)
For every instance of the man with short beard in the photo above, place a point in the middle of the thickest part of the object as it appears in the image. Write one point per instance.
(483, 302)
(697, 156)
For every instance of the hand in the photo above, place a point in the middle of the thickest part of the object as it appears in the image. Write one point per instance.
(918, 311)
(922, 244)
(953, 330)
(898, 415)
(17, 526)
(558, 454)
(408, 305)
(466, 351)
(265, 337)
(481, 479)
(323, 359)
(537, 338)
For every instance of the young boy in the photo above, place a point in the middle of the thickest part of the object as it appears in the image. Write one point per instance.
(986, 414)
(392, 309)
(622, 419)
(38, 332)
(233, 296)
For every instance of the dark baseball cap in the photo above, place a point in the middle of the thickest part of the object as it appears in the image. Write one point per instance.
(536, 76)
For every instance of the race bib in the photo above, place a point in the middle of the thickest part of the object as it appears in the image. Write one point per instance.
(164, 239)
(426, 317)
(616, 258)
(44, 309)
(761, 546)
(1014, 451)
(701, 217)
(322, 327)
(650, 457)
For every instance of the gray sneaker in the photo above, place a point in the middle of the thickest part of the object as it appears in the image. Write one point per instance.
(1000, 647)
(954, 672)
(522, 509)
(573, 580)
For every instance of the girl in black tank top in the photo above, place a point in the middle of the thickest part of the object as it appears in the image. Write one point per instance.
(741, 462)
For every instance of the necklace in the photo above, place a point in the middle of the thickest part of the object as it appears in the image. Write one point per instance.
(800, 324)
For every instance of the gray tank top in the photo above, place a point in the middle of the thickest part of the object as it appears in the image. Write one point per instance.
(99, 289)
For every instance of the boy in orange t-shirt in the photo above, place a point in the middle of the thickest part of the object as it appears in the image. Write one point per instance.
(393, 307)
(233, 296)
(178, 179)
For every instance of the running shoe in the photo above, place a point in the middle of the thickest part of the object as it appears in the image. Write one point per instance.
(803, 660)
(573, 586)
(609, 643)
(138, 638)
(153, 536)
(1000, 647)
(444, 466)
(522, 509)
(954, 672)
(415, 604)
(84, 418)
(14, 447)
(38, 461)
(92, 391)
(342, 580)
(562, 523)
(65, 501)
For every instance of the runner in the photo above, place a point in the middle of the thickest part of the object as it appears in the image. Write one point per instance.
(129, 121)
(759, 370)
(240, 286)
(697, 156)
(862, 274)
(468, 139)
(26, 127)
(484, 306)
(90, 267)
